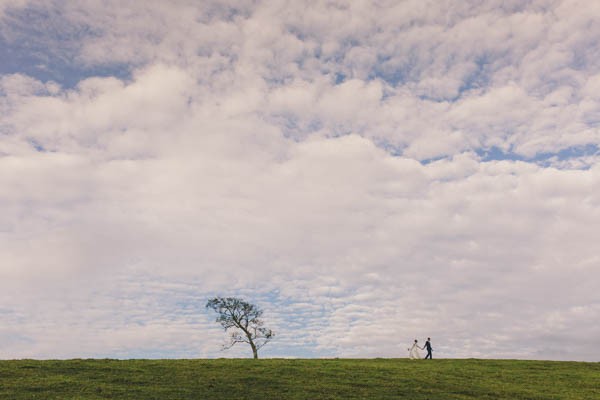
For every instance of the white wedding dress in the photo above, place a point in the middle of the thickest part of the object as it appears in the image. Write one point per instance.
(413, 352)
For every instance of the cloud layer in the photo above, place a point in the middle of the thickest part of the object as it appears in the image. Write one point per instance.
(368, 174)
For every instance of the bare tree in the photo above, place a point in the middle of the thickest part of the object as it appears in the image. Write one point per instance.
(244, 319)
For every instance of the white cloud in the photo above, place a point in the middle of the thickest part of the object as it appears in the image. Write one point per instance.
(273, 151)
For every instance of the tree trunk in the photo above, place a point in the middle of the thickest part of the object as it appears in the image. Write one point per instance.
(254, 349)
(249, 336)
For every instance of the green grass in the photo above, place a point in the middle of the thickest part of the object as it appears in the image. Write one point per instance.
(298, 379)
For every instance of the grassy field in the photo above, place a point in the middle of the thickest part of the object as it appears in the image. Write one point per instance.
(298, 379)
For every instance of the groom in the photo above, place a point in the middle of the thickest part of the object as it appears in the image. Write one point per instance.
(428, 347)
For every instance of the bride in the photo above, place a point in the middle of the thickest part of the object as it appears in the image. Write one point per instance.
(413, 352)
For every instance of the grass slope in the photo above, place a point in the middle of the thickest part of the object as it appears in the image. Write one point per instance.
(298, 379)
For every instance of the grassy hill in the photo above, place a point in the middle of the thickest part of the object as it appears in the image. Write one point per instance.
(298, 379)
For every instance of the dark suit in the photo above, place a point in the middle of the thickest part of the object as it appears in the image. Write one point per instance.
(428, 347)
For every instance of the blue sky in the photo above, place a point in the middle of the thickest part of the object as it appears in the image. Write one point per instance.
(368, 173)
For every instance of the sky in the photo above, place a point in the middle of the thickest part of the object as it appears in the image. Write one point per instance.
(366, 172)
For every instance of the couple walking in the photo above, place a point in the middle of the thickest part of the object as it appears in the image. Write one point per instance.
(413, 352)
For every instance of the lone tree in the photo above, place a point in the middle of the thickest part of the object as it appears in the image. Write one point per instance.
(244, 319)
